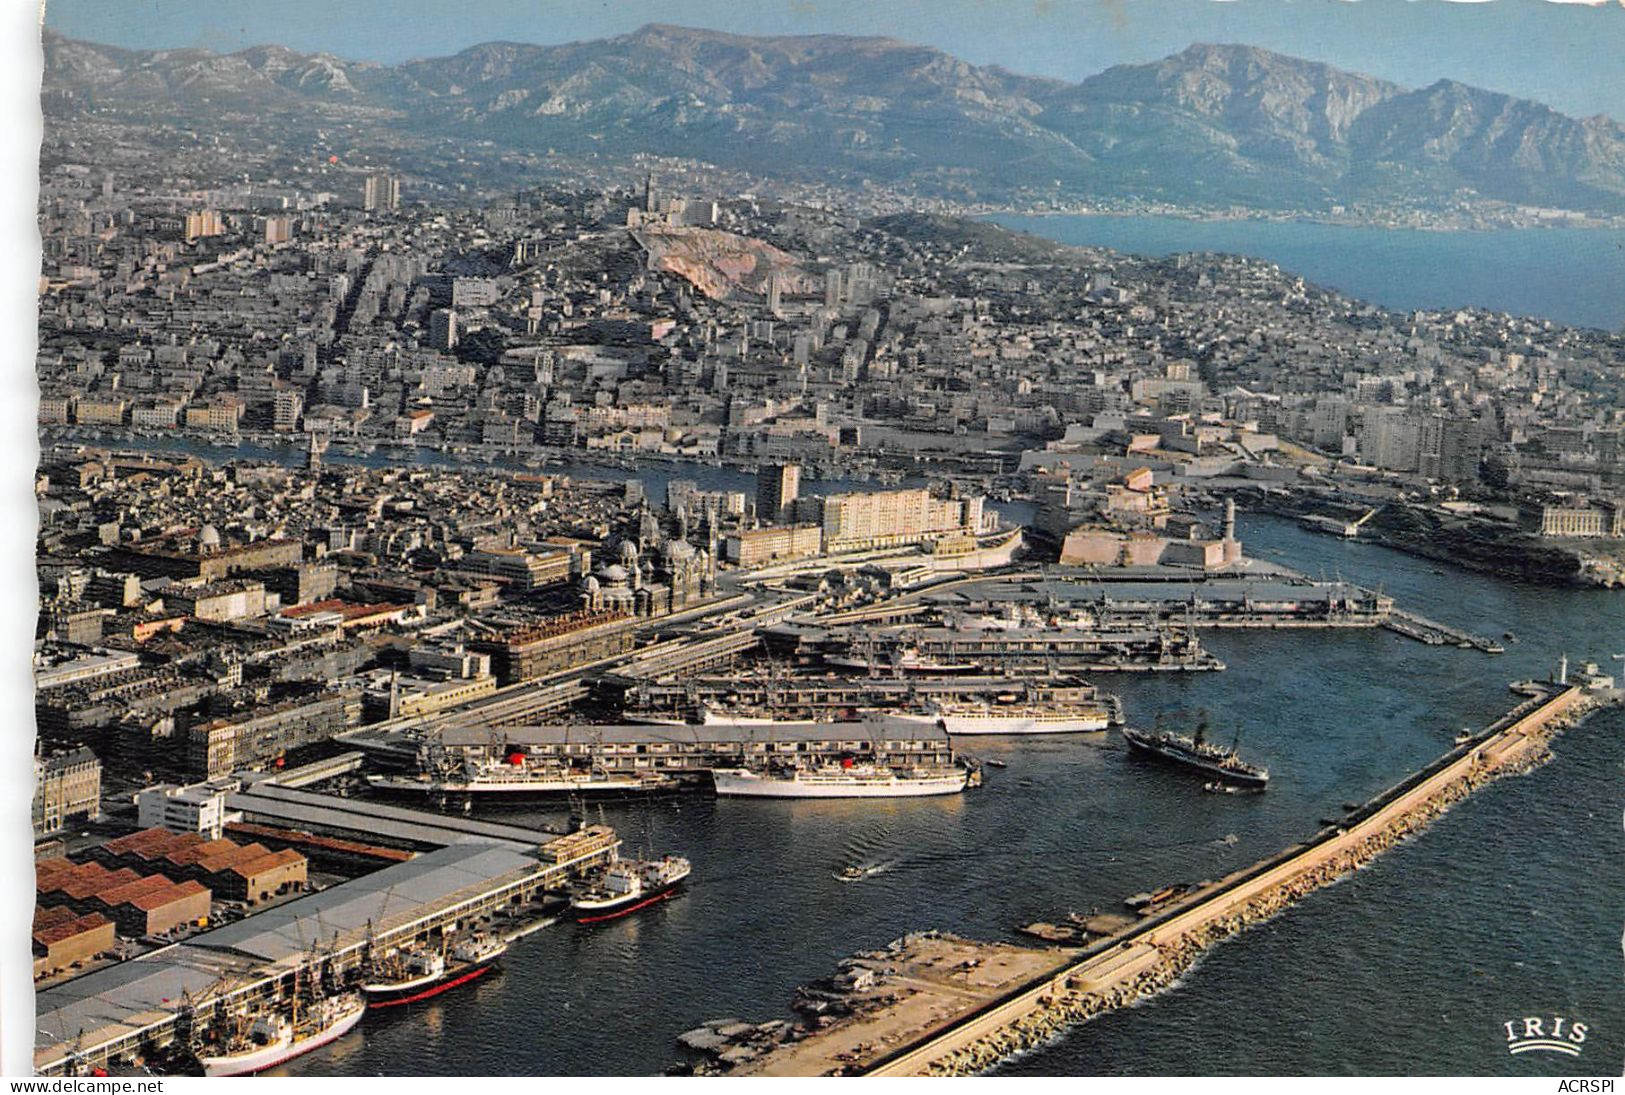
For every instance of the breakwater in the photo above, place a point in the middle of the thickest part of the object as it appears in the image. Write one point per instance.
(1148, 957)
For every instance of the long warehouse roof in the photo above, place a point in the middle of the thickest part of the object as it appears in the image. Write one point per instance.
(379, 818)
(120, 999)
(347, 909)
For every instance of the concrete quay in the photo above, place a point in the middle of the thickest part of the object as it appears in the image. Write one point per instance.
(1149, 956)
(143, 1009)
(1433, 633)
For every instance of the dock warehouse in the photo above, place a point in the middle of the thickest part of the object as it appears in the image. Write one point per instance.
(124, 1007)
(63, 937)
(891, 742)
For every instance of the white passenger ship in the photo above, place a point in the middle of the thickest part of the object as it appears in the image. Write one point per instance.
(836, 781)
(514, 779)
(274, 1038)
(1015, 718)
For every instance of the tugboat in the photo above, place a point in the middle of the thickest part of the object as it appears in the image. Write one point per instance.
(1200, 754)
(425, 973)
(272, 1038)
(627, 886)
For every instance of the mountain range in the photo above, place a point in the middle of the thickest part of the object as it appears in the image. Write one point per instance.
(1211, 125)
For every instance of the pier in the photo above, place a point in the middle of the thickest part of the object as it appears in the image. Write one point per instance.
(320, 770)
(1433, 633)
(479, 873)
(973, 1030)
(333, 815)
(807, 695)
(949, 648)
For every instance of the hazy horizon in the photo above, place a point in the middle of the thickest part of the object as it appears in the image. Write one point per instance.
(1411, 42)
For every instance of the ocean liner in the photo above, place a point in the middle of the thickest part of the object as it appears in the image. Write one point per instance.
(514, 776)
(1016, 718)
(840, 781)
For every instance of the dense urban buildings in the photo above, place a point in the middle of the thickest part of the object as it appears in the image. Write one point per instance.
(206, 618)
(372, 472)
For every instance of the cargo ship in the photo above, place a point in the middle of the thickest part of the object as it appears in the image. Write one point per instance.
(1017, 718)
(840, 781)
(1200, 754)
(424, 973)
(628, 885)
(273, 1038)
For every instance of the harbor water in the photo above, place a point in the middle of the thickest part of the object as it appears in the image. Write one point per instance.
(1569, 275)
(653, 475)
(1503, 909)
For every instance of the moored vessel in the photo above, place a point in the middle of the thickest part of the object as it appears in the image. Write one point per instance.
(628, 885)
(272, 1038)
(425, 973)
(902, 659)
(515, 777)
(970, 719)
(840, 781)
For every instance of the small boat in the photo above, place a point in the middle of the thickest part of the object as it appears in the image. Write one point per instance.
(993, 763)
(1464, 736)
(853, 874)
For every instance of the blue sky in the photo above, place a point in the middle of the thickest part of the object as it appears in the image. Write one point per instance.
(1565, 54)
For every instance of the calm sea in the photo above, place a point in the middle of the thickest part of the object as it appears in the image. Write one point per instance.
(1509, 906)
(1570, 275)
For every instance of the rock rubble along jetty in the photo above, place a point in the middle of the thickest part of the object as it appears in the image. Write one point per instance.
(1145, 959)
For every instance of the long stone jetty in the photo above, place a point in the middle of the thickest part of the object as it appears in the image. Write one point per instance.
(1148, 956)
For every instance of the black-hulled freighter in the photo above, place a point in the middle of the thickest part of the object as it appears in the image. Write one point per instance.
(626, 886)
(424, 973)
(1200, 754)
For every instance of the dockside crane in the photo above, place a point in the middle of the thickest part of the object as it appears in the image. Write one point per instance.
(1353, 528)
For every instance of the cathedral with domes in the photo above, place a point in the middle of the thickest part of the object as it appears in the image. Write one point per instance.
(648, 574)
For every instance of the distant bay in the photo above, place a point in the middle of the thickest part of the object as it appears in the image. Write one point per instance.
(1568, 275)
